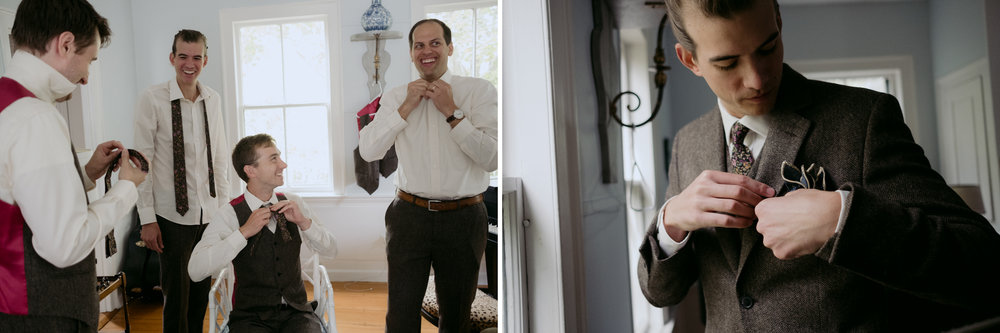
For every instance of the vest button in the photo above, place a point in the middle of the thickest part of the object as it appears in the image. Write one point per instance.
(746, 302)
(276, 259)
(279, 273)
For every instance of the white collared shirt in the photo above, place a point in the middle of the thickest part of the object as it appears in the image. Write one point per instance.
(759, 128)
(154, 138)
(38, 175)
(223, 240)
(435, 160)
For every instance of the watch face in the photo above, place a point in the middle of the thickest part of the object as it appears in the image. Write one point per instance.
(459, 114)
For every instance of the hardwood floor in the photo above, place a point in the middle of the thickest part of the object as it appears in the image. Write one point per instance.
(359, 306)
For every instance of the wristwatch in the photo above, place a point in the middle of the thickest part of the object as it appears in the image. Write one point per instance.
(457, 115)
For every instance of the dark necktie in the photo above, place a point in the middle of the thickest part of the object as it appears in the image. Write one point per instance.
(282, 223)
(741, 159)
(180, 171)
(110, 245)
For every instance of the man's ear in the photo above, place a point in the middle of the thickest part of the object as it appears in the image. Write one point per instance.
(172, 58)
(250, 171)
(63, 44)
(204, 59)
(687, 58)
(451, 49)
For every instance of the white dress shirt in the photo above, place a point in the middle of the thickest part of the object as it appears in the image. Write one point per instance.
(435, 160)
(759, 127)
(154, 137)
(223, 240)
(38, 175)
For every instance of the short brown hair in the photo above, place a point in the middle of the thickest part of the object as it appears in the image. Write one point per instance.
(710, 8)
(447, 30)
(189, 36)
(38, 21)
(245, 152)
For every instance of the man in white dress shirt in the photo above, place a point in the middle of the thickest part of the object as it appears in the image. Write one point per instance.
(261, 233)
(48, 227)
(178, 124)
(445, 131)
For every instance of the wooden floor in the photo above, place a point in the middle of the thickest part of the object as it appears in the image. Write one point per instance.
(359, 306)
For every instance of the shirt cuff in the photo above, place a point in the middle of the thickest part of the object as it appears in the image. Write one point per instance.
(843, 209)
(147, 215)
(667, 244)
(236, 240)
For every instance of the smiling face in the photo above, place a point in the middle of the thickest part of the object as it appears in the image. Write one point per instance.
(268, 169)
(188, 61)
(739, 57)
(429, 51)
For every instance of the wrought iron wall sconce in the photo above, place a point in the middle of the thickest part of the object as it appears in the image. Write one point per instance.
(376, 59)
(660, 79)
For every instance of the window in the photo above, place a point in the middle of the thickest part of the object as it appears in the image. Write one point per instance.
(475, 35)
(893, 75)
(281, 85)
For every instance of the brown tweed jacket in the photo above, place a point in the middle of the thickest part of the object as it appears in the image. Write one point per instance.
(911, 255)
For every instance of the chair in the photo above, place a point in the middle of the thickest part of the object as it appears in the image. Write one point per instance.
(220, 297)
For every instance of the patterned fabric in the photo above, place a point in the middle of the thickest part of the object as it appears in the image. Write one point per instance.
(741, 159)
(282, 223)
(180, 172)
(208, 146)
(484, 310)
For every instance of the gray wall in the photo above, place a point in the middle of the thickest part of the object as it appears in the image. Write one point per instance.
(958, 34)
(813, 32)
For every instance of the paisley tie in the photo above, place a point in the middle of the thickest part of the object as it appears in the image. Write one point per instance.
(741, 158)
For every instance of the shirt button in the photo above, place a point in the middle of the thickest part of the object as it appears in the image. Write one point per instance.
(746, 302)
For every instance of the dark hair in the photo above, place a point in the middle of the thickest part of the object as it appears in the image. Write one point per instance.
(710, 8)
(38, 21)
(189, 36)
(447, 30)
(245, 152)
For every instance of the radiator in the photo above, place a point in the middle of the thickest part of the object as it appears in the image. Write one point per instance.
(515, 288)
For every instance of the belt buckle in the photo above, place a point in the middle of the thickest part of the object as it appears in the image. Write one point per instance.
(430, 203)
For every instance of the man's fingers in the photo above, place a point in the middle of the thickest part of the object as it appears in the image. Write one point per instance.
(726, 178)
(726, 221)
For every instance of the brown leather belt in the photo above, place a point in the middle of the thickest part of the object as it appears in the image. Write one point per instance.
(435, 205)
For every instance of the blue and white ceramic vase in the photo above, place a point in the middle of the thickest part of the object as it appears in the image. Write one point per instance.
(376, 18)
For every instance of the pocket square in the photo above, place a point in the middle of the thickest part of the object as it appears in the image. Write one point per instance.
(796, 178)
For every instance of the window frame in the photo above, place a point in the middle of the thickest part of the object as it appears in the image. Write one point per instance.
(231, 20)
(899, 70)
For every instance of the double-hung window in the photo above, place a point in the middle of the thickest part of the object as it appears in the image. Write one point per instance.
(281, 85)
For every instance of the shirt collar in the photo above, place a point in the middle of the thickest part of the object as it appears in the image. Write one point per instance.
(446, 77)
(756, 124)
(176, 93)
(38, 77)
(254, 202)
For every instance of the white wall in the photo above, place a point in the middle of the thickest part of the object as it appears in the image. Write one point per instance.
(527, 99)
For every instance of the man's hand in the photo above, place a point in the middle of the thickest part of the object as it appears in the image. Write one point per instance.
(292, 213)
(258, 219)
(439, 92)
(798, 223)
(150, 235)
(130, 171)
(102, 157)
(416, 91)
(714, 199)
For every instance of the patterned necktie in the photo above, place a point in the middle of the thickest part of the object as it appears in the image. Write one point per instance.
(180, 172)
(282, 223)
(741, 159)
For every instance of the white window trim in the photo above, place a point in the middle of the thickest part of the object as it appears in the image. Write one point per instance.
(230, 17)
(898, 68)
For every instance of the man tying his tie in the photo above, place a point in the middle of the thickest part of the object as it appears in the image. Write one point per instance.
(261, 233)
(178, 124)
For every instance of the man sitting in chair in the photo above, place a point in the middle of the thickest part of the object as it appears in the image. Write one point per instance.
(261, 235)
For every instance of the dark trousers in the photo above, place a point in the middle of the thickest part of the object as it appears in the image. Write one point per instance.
(41, 324)
(184, 301)
(280, 319)
(453, 243)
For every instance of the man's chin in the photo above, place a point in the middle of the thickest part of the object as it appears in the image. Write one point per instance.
(64, 98)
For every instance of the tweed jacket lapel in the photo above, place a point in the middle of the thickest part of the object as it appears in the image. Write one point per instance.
(787, 133)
